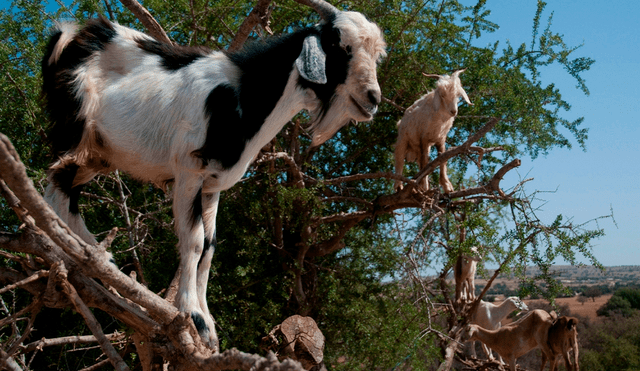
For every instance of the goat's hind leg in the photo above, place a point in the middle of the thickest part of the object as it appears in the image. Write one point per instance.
(187, 209)
(63, 192)
(209, 211)
(445, 183)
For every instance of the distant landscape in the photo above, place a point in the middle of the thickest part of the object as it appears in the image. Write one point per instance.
(570, 276)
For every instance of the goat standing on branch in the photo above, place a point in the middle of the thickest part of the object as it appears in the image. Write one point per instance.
(518, 338)
(563, 336)
(465, 275)
(489, 316)
(194, 118)
(426, 123)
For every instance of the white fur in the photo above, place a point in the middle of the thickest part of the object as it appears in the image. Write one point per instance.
(426, 123)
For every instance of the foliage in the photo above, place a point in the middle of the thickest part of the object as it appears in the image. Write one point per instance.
(625, 301)
(367, 295)
(611, 344)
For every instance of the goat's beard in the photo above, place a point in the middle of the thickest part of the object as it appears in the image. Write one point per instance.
(328, 120)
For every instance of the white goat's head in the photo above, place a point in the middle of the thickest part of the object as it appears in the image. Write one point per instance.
(449, 91)
(518, 303)
(349, 48)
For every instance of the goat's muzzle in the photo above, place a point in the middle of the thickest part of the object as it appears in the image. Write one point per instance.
(367, 110)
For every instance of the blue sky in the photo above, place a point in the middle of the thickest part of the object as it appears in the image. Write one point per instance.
(589, 184)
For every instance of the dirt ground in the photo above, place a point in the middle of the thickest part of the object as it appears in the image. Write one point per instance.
(587, 310)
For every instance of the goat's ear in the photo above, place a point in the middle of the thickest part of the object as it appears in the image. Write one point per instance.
(312, 61)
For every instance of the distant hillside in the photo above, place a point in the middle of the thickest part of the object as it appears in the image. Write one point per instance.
(572, 276)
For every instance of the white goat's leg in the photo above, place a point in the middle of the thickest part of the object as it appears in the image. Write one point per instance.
(399, 153)
(62, 203)
(471, 286)
(209, 212)
(423, 160)
(487, 351)
(472, 351)
(444, 178)
(187, 209)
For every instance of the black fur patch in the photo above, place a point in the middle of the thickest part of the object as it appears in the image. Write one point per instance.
(173, 57)
(226, 135)
(207, 245)
(63, 180)
(265, 68)
(337, 66)
(62, 105)
(196, 209)
(198, 321)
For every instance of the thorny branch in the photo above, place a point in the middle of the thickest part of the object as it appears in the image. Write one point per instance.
(174, 335)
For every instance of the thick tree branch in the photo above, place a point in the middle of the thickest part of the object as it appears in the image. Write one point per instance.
(259, 15)
(147, 20)
(59, 273)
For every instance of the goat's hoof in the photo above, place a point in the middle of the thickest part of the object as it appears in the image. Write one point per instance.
(206, 330)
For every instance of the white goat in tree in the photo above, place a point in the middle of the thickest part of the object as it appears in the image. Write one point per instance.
(195, 118)
(490, 316)
(465, 272)
(426, 123)
(518, 338)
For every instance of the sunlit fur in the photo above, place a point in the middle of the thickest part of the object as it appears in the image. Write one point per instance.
(192, 118)
(563, 337)
(465, 275)
(426, 123)
(516, 339)
(489, 316)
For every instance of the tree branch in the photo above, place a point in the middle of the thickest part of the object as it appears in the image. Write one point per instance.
(147, 20)
(59, 274)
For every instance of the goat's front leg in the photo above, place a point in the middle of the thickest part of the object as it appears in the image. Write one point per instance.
(400, 154)
(209, 212)
(187, 209)
(423, 161)
(447, 187)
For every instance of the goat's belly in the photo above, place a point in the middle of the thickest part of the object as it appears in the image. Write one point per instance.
(144, 169)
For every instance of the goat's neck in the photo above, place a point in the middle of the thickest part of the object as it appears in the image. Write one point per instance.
(503, 310)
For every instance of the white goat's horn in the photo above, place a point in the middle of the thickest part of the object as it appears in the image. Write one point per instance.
(458, 72)
(326, 10)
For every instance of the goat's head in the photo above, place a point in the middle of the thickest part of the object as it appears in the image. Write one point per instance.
(339, 65)
(469, 332)
(519, 303)
(568, 323)
(449, 91)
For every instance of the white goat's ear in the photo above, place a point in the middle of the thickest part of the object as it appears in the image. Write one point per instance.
(312, 60)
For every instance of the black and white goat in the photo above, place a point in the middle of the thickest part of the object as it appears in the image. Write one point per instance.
(119, 99)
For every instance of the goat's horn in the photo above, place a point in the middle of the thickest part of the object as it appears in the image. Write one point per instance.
(458, 72)
(326, 10)
(432, 75)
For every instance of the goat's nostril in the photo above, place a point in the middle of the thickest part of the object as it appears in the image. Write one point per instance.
(374, 97)
(454, 112)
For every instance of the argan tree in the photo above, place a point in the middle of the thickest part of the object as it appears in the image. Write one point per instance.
(315, 231)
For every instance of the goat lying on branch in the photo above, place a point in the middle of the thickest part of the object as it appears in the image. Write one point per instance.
(427, 122)
(186, 116)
